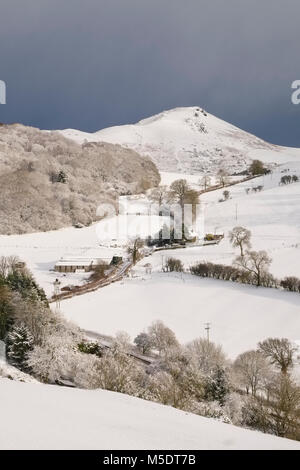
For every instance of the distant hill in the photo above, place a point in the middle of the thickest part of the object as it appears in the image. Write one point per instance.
(48, 182)
(190, 140)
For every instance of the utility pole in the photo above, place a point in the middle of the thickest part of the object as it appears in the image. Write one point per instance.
(236, 212)
(207, 328)
(56, 285)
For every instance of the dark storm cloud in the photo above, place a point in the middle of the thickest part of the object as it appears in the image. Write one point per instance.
(94, 63)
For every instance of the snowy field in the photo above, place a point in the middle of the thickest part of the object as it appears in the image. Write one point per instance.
(272, 215)
(240, 315)
(42, 250)
(103, 240)
(108, 420)
(167, 179)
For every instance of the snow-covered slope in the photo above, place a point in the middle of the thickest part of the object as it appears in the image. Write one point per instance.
(61, 418)
(272, 215)
(189, 140)
(240, 315)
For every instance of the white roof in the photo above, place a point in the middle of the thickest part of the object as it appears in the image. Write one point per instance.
(78, 262)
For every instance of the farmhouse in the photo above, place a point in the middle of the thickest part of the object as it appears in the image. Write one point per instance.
(68, 265)
(80, 264)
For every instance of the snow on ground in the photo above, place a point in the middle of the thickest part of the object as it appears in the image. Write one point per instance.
(188, 140)
(103, 240)
(119, 230)
(240, 315)
(63, 418)
(8, 371)
(272, 215)
(167, 179)
(42, 250)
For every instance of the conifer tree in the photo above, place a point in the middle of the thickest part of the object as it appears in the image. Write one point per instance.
(217, 386)
(19, 344)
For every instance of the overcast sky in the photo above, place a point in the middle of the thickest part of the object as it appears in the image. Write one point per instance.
(90, 64)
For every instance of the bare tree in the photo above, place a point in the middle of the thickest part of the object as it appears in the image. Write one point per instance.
(222, 176)
(251, 369)
(159, 194)
(4, 266)
(179, 190)
(240, 237)
(162, 337)
(134, 249)
(182, 193)
(173, 264)
(205, 182)
(280, 351)
(284, 408)
(255, 263)
(206, 354)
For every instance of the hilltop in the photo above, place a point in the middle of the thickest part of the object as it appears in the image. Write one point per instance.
(190, 140)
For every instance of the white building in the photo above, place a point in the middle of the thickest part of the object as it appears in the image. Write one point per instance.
(73, 265)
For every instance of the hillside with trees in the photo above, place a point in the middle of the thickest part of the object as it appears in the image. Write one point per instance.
(48, 182)
(257, 390)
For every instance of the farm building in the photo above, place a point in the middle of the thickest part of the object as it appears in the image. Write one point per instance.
(67, 265)
(78, 264)
(116, 260)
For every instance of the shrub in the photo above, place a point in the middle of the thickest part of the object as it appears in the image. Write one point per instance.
(226, 194)
(257, 168)
(99, 271)
(220, 271)
(90, 348)
(173, 264)
(291, 284)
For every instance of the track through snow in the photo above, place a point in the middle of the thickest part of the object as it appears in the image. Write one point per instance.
(63, 418)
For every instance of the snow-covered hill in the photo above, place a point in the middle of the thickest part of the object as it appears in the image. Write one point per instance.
(189, 140)
(48, 182)
(271, 214)
(51, 417)
(240, 315)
